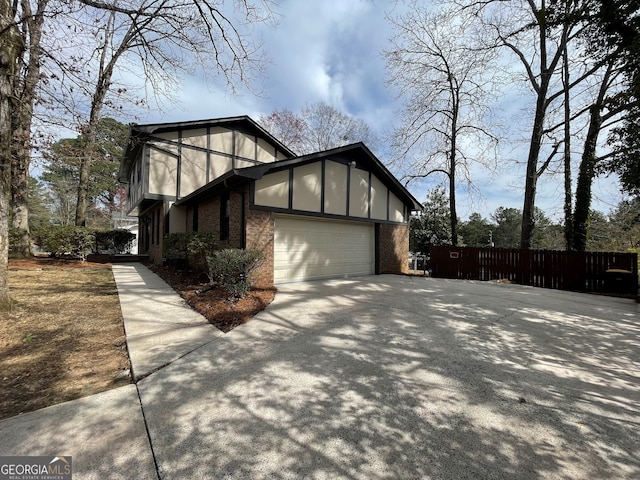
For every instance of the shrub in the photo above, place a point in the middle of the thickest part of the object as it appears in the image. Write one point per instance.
(62, 241)
(199, 246)
(175, 246)
(114, 241)
(230, 269)
(192, 248)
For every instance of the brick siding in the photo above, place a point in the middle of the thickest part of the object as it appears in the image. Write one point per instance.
(209, 219)
(208, 216)
(260, 233)
(258, 230)
(393, 248)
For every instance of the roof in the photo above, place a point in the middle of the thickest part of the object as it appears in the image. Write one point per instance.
(357, 152)
(139, 133)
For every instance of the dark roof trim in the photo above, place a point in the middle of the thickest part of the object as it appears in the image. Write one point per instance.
(139, 133)
(232, 179)
(243, 120)
(357, 152)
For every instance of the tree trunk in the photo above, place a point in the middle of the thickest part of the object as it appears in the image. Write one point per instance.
(83, 190)
(21, 141)
(10, 45)
(547, 68)
(568, 206)
(102, 88)
(19, 197)
(452, 207)
(588, 165)
(452, 170)
(531, 183)
(585, 179)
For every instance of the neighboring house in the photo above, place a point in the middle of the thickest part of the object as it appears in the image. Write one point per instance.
(329, 214)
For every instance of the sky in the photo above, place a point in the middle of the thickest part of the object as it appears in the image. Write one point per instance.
(331, 51)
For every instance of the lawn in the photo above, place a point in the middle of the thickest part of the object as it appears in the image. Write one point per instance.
(64, 337)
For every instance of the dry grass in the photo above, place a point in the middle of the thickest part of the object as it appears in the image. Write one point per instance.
(63, 337)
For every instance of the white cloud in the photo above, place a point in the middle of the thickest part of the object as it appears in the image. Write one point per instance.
(331, 51)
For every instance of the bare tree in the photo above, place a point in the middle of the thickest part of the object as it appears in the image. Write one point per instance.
(287, 127)
(445, 88)
(164, 39)
(327, 127)
(539, 34)
(31, 23)
(319, 126)
(568, 201)
(10, 46)
(605, 111)
(524, 29)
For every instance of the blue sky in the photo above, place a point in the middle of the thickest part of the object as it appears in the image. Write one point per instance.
(330, 51)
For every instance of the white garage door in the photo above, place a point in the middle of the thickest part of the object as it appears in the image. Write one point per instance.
(306, 249)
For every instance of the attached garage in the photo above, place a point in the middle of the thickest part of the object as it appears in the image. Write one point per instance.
(332, 214)
(313, 248)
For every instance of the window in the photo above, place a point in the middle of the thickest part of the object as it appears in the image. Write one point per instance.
(194, 227)
(157, 227)
(138, 177)
(225, 213)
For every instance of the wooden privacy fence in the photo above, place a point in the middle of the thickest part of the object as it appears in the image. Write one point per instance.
(603, 272)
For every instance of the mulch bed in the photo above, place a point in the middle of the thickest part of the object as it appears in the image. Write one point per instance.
(214, 304)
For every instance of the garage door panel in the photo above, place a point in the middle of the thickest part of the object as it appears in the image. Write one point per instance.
(307, 249)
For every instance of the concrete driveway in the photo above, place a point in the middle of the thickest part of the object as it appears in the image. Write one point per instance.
(399, 377)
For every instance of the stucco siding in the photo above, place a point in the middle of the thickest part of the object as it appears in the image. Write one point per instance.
(193, 171)
(196, 137)
(245, 146)
(378, 199)
(243, 163)
(396, 209)
(218, 166)
(173, 137)
(221, 140)
(359, 193)
(307, 187)
(163, 173)
(266, 151)
(335, 188)
(273, 190)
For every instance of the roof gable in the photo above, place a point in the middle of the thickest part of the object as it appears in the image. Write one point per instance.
(357, 155)
(139, 134)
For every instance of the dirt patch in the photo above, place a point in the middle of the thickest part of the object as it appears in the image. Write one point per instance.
(63, 337)
(214, 304)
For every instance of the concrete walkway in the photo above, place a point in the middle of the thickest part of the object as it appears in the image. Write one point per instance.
(368, 378)
(160, 327)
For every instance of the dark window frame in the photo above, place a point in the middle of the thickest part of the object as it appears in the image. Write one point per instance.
(194, 226)
(225, 214)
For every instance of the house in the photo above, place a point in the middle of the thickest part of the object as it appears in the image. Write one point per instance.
(334, 213)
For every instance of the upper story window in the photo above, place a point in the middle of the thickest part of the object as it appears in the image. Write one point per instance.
(138, 177)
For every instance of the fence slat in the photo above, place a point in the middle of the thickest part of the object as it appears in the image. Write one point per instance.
(576, 271)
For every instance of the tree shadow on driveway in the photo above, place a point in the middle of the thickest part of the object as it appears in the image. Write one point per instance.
(400, 377)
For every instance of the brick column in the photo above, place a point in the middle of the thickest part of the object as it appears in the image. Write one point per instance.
(259, 236)
(393, 248)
